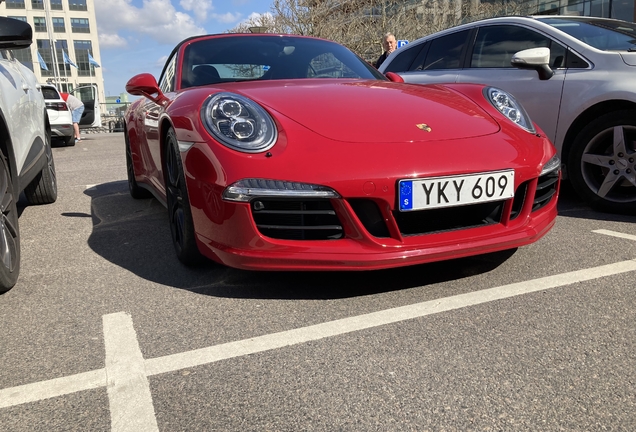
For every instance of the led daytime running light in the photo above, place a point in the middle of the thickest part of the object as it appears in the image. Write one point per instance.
(247, 189)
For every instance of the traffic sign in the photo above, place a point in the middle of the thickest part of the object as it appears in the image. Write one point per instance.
(402, 42)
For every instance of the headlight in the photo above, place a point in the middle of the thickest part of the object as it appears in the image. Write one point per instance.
(509, 107)
(238, 123)
(246, 189)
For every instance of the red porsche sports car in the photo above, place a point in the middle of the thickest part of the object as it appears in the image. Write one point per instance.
(281, 152)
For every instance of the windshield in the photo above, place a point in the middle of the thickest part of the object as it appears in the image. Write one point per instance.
(603, 34)
(245, 58)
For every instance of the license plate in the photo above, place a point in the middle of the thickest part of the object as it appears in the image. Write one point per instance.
(449, 191)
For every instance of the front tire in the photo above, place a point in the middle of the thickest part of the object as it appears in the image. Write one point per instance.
(602, 164)
(43, 188)
(9, 230)
(179, 211)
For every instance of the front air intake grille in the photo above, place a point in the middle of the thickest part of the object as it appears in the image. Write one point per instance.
(450, 218)
(369, 214)
(520, 199)
(295, 219)
(546, 189)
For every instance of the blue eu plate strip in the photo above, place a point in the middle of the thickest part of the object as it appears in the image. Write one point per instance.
(406, 195)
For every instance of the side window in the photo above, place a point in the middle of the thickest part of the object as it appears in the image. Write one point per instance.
(495, 46)
(404, 60)
(166, 83)
(444, 52)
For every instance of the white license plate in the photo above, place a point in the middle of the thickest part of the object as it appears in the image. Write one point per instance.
(449, 191)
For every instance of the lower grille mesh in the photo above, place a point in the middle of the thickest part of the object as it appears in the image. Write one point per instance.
(292, 219)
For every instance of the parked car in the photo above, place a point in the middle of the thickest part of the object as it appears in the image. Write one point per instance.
(280, 152)
(26, 159)
(60, 116)
(576, 77)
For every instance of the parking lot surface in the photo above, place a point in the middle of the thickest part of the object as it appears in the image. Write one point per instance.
(107, 331)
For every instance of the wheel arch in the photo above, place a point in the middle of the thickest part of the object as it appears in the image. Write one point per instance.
(6, 145)
(586, 117)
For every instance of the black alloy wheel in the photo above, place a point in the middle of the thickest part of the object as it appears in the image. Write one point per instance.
(602, 164)
(179, 212)
(9, 230)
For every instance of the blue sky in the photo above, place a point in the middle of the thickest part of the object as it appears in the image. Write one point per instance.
(136, 36)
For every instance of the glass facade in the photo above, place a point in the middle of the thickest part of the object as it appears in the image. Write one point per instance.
(15, 4)
(618, 9)
(82, 48)
(77, 5)
(80, 25)
(58, 25)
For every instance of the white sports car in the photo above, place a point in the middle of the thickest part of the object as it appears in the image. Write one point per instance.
(26, 159)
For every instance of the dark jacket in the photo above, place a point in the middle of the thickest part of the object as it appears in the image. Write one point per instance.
(381, 59)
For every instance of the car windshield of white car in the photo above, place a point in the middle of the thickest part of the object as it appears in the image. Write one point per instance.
(606, 35)
(246, 58)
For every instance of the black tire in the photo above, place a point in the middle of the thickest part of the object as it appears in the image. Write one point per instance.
(136, 191)
(43, 188)
(179, 212)
(69, 141)
(9, 230)
(602, 163)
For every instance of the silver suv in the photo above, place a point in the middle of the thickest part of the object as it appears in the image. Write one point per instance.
(26, 159)
(575, 76)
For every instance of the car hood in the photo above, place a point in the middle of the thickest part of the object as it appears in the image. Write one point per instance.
(373, 111)
(629, 58)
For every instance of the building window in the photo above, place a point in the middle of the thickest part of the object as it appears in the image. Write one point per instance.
(15, 4)
(58, 25)
(24, 57)
(78, 5)
(37, 4)
(18, 18)
(56, 4)
(80, 25)
(39, 24)
(44, 48)
(82, 48)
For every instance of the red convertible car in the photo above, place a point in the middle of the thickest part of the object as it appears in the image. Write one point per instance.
(281, 152)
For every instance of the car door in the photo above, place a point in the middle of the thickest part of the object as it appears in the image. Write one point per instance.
(91, 117)
(438, 61)
(20, 98)
(489, 63)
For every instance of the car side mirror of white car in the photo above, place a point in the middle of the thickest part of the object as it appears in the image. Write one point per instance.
(534, 58)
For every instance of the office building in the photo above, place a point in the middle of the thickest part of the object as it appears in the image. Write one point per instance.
(65, 49)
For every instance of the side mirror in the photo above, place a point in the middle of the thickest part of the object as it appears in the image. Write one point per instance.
(145, 85)
(15, 34)
(534, 58)
(392, 76)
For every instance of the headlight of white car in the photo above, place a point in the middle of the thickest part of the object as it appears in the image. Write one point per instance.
(239, 123)
(509, 107)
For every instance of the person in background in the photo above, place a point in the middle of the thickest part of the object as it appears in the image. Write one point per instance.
(77, 108)
(389, 44)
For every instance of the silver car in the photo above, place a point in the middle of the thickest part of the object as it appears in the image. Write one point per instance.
(575, 76)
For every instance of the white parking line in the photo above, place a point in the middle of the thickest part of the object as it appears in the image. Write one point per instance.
(124, 360)
(128, 389)
(615, 234)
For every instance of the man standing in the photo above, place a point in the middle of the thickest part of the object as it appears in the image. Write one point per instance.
(389, 44)
(77, 108)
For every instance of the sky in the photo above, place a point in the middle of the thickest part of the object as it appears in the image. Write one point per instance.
(136, 36)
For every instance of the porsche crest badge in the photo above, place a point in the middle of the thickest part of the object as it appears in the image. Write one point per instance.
(424, 127)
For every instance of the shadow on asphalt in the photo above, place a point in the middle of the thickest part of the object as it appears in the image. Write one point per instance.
(134, 234)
